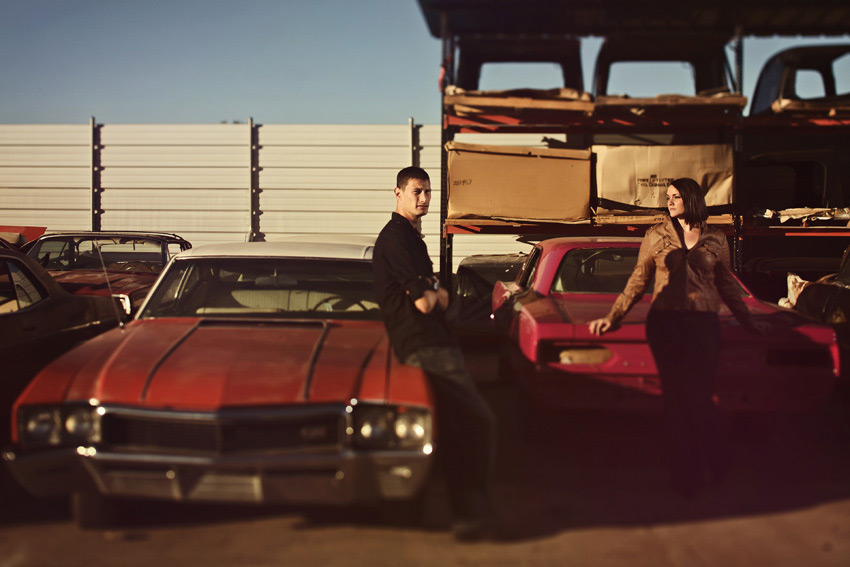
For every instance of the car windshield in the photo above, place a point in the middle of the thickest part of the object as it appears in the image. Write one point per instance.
(265, 287)
(129, 254)
(595, 270)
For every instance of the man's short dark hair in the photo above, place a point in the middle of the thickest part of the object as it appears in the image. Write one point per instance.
(409, 173)
(693, 198)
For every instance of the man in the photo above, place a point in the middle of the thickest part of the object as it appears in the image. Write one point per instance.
(413, 305)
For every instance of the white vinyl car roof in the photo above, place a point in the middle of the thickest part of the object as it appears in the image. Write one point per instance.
(344, 247)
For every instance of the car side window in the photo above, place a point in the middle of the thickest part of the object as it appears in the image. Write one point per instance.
(595, 270)
(18, 288)
(529, 269)
(54, 254)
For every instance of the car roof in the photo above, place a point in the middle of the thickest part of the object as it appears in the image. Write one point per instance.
(579, 241)
(335, 247)
(167, 236)
(494, 259)
(571, 242)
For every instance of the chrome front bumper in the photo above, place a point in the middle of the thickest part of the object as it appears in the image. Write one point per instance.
(336, 478)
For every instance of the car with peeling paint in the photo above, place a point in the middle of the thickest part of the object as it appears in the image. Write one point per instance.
(827, 299)
(123, 264)
(254, 372)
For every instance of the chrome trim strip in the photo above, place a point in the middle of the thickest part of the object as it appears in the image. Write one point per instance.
(92, 455)
(222, 415)
(314, 358)
(165, 357)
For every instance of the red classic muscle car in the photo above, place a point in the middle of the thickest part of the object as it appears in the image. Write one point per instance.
(123, 264)
(254, 372)
(567, 282)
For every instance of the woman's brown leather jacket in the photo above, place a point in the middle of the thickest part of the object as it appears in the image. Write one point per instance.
(694, 280)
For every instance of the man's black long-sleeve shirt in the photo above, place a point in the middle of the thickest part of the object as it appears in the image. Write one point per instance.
(403, 271)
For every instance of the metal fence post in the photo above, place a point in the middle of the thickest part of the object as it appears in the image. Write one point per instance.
(96, 189)
(254, 184)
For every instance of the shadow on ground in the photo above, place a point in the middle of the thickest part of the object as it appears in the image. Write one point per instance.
(582, 470)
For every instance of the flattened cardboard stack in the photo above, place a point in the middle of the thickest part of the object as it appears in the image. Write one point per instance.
(470, 103)
(638, 176)
(514, 183)
(518, 183)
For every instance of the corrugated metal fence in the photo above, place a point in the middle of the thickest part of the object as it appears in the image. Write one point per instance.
(220, 182)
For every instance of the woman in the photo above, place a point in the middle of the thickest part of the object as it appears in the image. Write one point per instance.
(690, 263)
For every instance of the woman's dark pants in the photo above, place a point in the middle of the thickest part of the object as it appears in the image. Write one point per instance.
(686, 348)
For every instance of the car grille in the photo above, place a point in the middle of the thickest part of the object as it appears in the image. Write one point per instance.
(221, 435)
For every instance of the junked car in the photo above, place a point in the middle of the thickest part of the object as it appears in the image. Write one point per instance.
(828, 300)
(15, 237)
(254, 373)
(473, 287)
(567, 282)
(39, 321)
(803, 80)
(124, 264)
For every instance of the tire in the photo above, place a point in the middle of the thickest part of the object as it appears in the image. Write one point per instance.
(91, 510)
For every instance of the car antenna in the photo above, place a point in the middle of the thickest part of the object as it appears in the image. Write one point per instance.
(109, 286)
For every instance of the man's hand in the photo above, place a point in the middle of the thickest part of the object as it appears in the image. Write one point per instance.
(427, 302)
(443, 298)
(431, 299)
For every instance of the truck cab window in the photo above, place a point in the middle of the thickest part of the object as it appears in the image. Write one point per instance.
(505, 76)
(670, 77)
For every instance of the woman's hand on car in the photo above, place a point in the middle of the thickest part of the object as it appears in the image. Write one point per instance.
(599, 326)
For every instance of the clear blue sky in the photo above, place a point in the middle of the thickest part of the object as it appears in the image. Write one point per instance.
(207, 61)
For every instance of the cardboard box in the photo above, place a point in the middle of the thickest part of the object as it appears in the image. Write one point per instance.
(639, 175)
(518, 183)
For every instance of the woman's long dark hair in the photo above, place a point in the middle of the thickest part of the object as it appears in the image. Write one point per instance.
(696, 211)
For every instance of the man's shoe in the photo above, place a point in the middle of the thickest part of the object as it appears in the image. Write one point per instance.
(469, 530)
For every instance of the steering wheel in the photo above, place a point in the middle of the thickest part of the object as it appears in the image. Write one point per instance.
(582, 270)
(136, 267)
(596, 255)
(318, 306)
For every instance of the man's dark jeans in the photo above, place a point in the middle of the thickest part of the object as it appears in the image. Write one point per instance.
(466, 429)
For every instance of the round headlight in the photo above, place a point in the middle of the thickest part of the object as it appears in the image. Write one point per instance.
(411, 428)
(81, 423)
(372, 426)
(42, 427)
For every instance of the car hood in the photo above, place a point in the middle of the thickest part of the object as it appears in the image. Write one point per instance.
(94, 282)
(205, 364)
